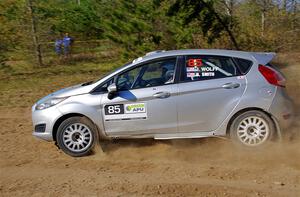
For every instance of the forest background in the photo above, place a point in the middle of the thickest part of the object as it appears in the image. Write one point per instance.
(112, 31)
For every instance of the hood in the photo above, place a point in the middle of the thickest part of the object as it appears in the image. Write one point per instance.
(69, 91)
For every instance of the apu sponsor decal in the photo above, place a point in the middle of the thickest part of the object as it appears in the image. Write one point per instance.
(135, 108)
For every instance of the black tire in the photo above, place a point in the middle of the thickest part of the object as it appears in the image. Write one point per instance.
(80, 132)
(262, 132)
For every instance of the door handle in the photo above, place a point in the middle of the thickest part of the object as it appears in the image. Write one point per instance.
(230, 85)
(162, 95)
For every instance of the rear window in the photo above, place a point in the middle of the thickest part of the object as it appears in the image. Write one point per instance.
(243, 64)
(202, 67)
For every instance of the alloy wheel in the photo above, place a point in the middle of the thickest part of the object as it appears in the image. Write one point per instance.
(77, 137)
(253, 131)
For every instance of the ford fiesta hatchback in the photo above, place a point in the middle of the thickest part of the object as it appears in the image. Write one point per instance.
(170, 95)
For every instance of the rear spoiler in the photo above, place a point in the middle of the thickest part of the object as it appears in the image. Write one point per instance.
(263, 58)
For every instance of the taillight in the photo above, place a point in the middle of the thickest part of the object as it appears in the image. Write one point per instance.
(272, 76)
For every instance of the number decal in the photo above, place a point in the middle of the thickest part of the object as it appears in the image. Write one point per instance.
(114, 109)
(194, 62)
(126, 111)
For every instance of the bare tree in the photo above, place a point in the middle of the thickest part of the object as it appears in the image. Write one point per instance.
(226, 27)
(294, 11)
(229, 5)
(285, 5)
(264, 5)
(35, 38)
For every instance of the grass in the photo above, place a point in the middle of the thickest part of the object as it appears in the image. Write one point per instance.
(22, 85)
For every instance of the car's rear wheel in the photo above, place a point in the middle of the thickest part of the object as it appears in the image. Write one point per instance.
(76, 136)
(252, 129)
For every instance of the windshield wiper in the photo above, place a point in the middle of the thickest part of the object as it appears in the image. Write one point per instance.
(87, 83)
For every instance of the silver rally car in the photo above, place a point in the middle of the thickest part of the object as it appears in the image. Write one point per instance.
(169, 95)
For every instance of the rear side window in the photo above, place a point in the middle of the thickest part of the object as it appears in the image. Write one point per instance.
(244, 65)
(198, 67)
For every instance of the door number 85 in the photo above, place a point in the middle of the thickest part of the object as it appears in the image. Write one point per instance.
(114, 109)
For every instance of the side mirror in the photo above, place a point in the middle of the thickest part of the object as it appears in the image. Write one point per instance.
(112, 89)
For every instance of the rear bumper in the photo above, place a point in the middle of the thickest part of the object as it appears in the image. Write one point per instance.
(282, 109)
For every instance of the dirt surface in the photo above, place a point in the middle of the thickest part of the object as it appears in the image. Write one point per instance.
(198, 167)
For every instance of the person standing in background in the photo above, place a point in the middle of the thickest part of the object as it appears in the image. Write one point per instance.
(58, 46)
(67, 43)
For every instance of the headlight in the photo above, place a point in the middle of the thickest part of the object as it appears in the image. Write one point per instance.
(49, 103)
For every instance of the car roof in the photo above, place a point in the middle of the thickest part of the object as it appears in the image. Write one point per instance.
(260, 57)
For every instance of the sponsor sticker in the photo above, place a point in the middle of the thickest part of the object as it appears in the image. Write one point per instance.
(135, 108)
(125, 111)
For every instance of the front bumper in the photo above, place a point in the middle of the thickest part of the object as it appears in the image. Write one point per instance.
(48, 117)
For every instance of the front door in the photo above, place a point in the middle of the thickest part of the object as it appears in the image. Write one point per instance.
(145, 103)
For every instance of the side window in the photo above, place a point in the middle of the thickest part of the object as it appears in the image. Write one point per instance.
(199, 68)
(243, 64)
(126, 80)
(155, 73)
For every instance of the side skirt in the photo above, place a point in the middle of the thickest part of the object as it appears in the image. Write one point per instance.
(184, 135)
(167, 136)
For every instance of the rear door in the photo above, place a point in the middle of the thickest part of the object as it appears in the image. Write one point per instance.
(145, 102)
(210, 88)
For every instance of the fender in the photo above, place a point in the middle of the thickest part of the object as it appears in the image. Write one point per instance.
(88, 111)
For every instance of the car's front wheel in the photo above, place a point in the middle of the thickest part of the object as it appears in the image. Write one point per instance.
(252, 128)
(76, 136)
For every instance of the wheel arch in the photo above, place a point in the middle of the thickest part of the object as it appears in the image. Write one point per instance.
(66, 116)
(277, 132)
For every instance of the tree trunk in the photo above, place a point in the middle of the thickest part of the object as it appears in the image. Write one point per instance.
(285, 5)
(229, 4)
(294, 12)
(225, 25)
(35, 39)
(262, 22)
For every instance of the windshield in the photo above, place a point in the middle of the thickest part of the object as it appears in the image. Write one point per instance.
(115, 70)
